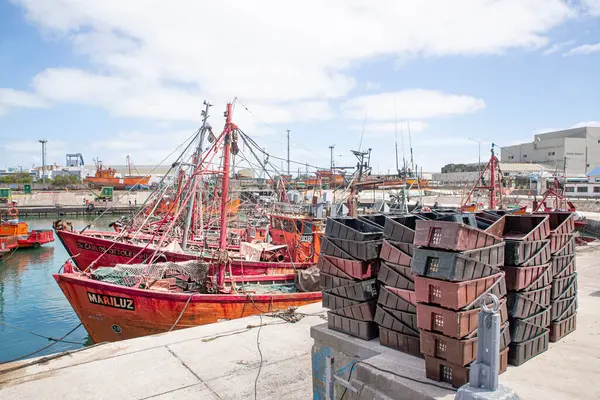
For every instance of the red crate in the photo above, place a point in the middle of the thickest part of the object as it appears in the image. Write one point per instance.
(557, 242)
(457, 295)
(564, 308)
(528, 278)
(456, 324)
(560, 329)
(521, 330)
(393, 254)
(457, 351)
(563, 266)
(564, 287)
(355, 269)
(452, 236)
(389, 277)
(568, 249)
(388, 321)
(526, 254)
(361, 311)
(401, 342)
(326, 267)
(365, 330)
(333, 302)
(456, 375)
(526, 304)
(561, 223)
(390, 299)
(528, 228)
(521, 352)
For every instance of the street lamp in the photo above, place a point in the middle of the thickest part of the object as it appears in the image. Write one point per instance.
(43, 142)
(479, 144)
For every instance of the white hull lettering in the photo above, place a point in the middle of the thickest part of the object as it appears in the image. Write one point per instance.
(122, 303)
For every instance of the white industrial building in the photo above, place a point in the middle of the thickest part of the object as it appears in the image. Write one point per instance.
(572, 152)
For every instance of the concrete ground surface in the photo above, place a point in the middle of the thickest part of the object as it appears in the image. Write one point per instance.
(221, 361)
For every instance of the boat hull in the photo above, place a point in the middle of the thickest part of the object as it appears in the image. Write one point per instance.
(118, 183)
(111, 312)
(85, 250)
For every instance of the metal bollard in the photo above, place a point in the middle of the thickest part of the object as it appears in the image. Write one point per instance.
(483, 374)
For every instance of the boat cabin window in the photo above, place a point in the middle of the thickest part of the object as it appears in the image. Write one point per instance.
(308, 228)
(277, 224)
(289, 225)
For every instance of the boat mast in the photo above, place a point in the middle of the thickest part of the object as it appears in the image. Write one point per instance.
(194, 168)
(229, 128)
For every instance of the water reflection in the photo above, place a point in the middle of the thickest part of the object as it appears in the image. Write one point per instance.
(31, 299)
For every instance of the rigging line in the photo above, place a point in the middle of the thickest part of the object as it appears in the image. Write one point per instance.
(43, 348)
(363, 131)
(182, 311)
(37, 334)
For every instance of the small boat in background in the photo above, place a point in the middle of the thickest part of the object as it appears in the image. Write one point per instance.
(8, 244)
(25, 238)
(108, 177)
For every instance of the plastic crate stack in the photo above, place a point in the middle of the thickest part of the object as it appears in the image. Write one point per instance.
(396, 312)
(563, 298)
(348, 266)
(528, 270)
(457, 266)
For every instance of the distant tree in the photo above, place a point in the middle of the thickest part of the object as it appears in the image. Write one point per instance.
(18, 177)
(65, 180)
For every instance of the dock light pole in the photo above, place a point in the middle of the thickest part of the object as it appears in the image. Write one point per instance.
(331, 164)
(43, 142)
(479, 162)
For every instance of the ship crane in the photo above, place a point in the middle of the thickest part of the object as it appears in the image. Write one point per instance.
(493, 186)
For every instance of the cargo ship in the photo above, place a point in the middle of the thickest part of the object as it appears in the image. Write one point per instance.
(108, 177)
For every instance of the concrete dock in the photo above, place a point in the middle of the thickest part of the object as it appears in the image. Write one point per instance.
(222, 361)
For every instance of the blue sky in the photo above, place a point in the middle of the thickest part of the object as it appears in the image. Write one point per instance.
(113, 78)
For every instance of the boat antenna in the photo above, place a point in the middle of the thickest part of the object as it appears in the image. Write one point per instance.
(363, 131)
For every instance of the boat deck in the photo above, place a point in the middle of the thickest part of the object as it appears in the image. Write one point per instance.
(221, 361)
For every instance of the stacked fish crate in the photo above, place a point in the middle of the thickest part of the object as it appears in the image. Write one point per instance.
(563, 300)
(457, 267)
(396, 310)
(528, 269)
(348, 264)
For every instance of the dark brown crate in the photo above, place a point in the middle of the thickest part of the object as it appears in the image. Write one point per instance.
(388, 321)
(457, 351)
(365, 330)
(452, 236)
(359, 291)
(326, 267)
(404, 343)
(526, 304)
(456, 324)
(364, 311)
(392, 300)
(528, 228)
(389, 277)
(401, 269)
(457, 295)
(333, 302)
(410, 319)
(560, 329)
(521, 352)
(401, 229)
(349, 228)
(564, 287)
(354, 268)
(408, 295)
(557, 242)
(359, 250)
(407, 248)
(561, 223)
(328, 281)
(521, 253)
(456, 375)
(563, 266)
(568, 249)
(458, 267)
(393, 254)
(528, 278)
(330, 249)
(564, 308)
(521, 330)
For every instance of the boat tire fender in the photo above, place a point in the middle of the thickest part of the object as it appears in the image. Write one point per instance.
(13, 212)
(90, 207)
(36, 245)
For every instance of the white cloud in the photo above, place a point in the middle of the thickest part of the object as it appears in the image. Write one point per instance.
(587, 124)
(160, 63)
(584, 49)
(370, 85)
(555, 48)
(412, 103)
(10, 98)
(592, 7)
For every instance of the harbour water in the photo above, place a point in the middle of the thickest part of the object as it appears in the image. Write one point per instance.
(31, 301)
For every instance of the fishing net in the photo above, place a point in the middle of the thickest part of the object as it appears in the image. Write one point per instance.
(132, 274)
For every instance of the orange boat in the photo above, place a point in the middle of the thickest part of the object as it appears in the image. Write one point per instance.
(20, 230)
(107, 177)
(130, 300)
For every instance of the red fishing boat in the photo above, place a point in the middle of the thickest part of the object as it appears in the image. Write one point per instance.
(8, 244)
(20, 229)
(131, 300)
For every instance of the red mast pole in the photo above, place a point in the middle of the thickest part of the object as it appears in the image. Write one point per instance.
(493, 181)
(229, 127)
